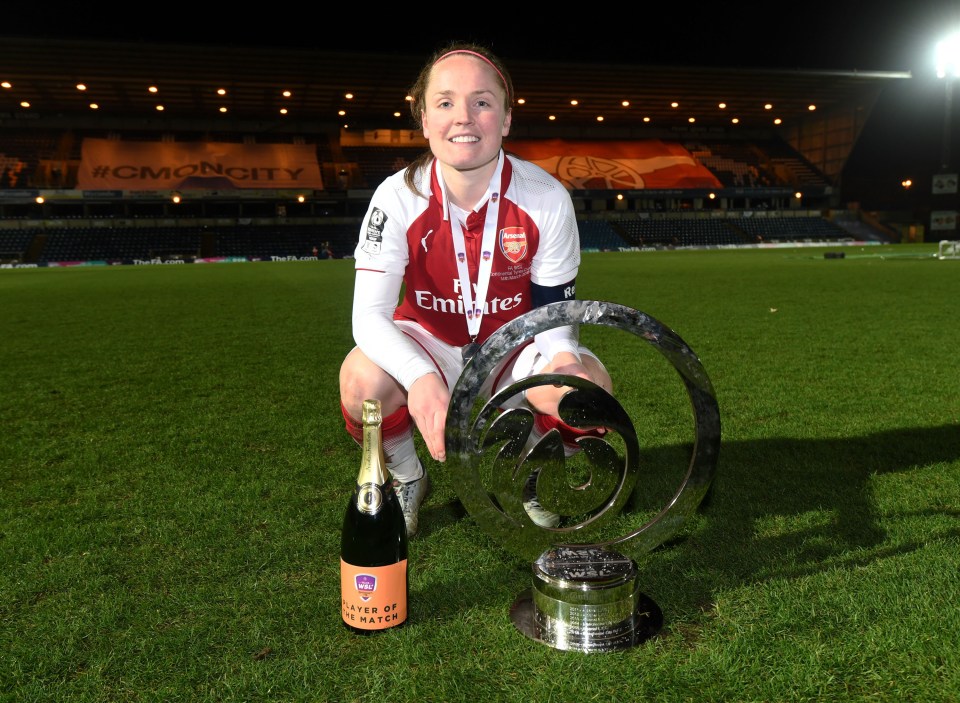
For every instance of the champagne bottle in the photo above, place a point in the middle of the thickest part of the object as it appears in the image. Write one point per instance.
(373, 541)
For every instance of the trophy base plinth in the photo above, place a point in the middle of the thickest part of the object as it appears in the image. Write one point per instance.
(587, 600)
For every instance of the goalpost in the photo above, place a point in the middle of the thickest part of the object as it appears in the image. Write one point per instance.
(948, 249)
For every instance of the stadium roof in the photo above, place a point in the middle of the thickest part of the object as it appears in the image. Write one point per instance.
(117, 74)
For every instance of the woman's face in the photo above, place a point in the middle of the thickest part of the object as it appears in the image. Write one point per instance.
(464, 118)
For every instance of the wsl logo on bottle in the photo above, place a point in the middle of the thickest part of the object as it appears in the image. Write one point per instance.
(365, 584)
(369, 498)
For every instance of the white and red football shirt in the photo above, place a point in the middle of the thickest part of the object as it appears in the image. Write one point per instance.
(408, 238)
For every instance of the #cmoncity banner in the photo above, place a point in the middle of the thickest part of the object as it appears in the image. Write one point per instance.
(108, 164)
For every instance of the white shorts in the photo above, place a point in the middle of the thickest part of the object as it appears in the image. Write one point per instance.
(449, 362)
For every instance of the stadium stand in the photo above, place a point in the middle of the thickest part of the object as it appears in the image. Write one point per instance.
(14, 244)
(127, 243)
(266, 241)
(600, 235)
(645, 232)
(772, 193)
(21, 152)
(376, 163)
(736, 164)
(263, 240)
(91, 245)
(794, 229)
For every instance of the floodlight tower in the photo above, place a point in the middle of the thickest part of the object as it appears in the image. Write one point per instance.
(947, 58)
(945, 184)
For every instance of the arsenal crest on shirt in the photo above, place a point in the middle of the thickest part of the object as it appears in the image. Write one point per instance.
(513, 243)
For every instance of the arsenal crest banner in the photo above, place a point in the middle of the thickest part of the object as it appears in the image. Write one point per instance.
(614, 165)
(108, 164)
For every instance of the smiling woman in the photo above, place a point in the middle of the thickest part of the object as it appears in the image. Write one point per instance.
(474, 238)
(462, 101)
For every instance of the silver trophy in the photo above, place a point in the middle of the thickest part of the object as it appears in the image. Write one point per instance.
(584, 592)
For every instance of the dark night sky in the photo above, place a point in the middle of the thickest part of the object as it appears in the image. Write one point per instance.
(813, 34)
(903, 137)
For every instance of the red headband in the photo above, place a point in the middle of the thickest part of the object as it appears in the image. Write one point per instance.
(490, 63)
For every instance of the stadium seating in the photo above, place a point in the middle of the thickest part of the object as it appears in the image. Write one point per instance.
(677, 232)
(599, 235)
(378, 162)
(76, 229)
(266, 241)
(20, 154)
(82, 244)
(791, 229)
(14, 244)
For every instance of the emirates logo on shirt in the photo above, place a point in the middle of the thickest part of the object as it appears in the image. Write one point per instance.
(513, 243)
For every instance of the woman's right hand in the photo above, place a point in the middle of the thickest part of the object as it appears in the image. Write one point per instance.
(427, 402)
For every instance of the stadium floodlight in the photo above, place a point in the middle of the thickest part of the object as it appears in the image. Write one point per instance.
(947, 56)
(947, 59)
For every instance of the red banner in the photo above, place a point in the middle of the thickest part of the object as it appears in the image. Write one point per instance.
(108, 164)
(612, 165)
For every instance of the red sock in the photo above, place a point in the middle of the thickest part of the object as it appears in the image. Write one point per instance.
(354, 427)
(397, 430)
(545, 423)
(395, 426)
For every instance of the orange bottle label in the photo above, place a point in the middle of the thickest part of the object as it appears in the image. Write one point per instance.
(373, 597)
